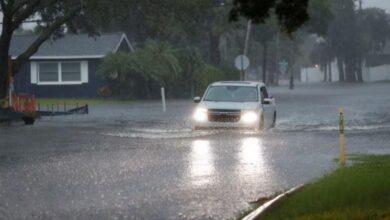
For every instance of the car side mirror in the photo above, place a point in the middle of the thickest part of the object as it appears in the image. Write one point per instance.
(197, 99)
(267, 101)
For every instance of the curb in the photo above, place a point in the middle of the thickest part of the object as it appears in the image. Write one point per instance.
(266, 206)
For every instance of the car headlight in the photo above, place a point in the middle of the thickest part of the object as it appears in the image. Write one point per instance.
(200, 115)
(249, 117)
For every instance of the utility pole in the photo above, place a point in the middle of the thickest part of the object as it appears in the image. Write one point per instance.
(248, 31)
(276, 78)
(292, 66)
(265, 54)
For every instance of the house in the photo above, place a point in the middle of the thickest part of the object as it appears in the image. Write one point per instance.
(376, 67)
(67, 66)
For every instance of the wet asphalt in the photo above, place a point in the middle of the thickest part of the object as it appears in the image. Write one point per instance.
(131, 161)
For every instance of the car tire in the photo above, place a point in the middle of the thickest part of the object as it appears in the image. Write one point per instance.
(260, 126)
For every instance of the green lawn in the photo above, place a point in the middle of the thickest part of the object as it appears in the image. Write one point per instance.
(75, 101)
(360, 191)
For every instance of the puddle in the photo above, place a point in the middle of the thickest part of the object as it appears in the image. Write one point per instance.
(161, 133)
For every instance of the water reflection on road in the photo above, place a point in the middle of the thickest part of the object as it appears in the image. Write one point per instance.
(251, 157)
(202, 163)
(249, 161)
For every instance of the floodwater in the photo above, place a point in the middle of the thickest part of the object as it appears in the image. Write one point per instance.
(131, 161)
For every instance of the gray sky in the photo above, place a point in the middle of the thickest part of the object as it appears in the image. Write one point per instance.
(385, 4)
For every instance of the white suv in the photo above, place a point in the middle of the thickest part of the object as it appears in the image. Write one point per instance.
(240, 104)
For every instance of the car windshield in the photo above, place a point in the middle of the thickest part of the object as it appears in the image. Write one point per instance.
(232, 94)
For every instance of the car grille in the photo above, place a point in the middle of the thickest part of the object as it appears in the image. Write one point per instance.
(224, 115)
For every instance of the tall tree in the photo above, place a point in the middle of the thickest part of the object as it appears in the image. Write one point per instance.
(291, 14)
(373, 31)
(342, 37)
(265, 33)
(310, 16)
(354, 35)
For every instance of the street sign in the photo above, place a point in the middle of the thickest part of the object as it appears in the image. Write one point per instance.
(283, 66)
(242, 62)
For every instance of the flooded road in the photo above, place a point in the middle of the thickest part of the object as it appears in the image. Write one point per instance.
(131, 161)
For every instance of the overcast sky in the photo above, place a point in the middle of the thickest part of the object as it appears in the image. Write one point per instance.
(385, 4)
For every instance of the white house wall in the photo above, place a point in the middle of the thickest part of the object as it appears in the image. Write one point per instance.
(370, 74)
(378, 73)
(311, 75)
(335, 72)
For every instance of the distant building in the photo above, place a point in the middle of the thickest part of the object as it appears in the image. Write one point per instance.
(375, 69)
(377, 66)
(65, 67)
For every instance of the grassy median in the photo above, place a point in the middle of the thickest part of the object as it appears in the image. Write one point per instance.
(360, 191)
(79, 101)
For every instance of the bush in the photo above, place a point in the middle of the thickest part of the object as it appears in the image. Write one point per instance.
(212, 74)
(104, 91)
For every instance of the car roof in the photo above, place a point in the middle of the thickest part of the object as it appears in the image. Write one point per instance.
(238, 83)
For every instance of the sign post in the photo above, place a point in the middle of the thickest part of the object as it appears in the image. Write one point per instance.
(342, 137)
(283, 65)
(242, 63)
(164, 106)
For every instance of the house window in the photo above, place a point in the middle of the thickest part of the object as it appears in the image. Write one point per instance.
(71, 72)
(48, 72)
(59, 73)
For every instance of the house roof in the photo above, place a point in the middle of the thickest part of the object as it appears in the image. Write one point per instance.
(71, 46)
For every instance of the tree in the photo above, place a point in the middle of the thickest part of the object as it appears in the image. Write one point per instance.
(182, 71)
(342, 37)
(354, 35)
(54, 19)
(305, 16)
(320, 16)
(192, 65)
(375, 23)
(373, 31)
(264, 34)
(291, 14)
(199, 23)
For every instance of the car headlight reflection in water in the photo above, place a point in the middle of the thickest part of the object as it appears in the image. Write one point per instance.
(200, 115)
(249, 117)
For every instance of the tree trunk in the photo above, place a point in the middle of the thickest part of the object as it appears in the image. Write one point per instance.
(330, 71)
(5, 41)
(291, 70)
(215, 56)
(359, 71)
(265, 54)
(3, 76)
(350, 70)
(326, 72)
(340, 65)
(291, 80)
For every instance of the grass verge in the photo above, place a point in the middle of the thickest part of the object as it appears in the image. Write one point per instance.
(75, 101)
(360, 191)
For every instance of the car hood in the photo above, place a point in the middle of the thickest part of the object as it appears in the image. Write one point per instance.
(229, 105)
